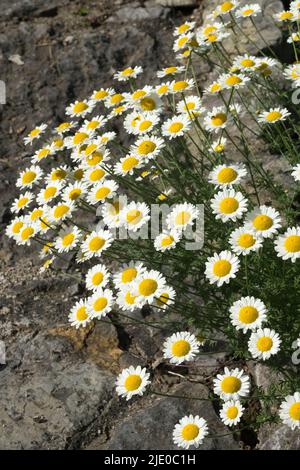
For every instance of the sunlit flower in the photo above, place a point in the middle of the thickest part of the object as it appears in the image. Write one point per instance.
(190, 431)
(67, 239)
(181, 216)
(243, 241)
(229, 205)
(79, 315)
(227, 175)
(35, 134)
(264, 221)
(167, 240)
(165, 299)
(248, 313)
(231, 412)
(221, 267)
(216, 119)
(288, 244)
(97, 277)
(232, 385)
(128, 73)
(96, 242)
(252, 10)
(181, 347)
(296, 172)
(132, 381)
(290, 410)
(100, 303)
(79, 108)
(147, 147)
(29, 177)
(176, 126)
(135, 215)
(273, 115)
(264, 343)
(184, 28)
(21, 202)
(102, 191)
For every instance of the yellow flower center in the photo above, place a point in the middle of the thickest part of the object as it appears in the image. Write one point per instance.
(138, 94)
(248, 314)
(228, 205)
(248, 11)
(219, 119)
(26, 233)
(286, 15)
(60, 211)
(63, 126)
(182, 41)
(81, 313)
(190, 432)
(28, 177)
(94, 159)
(292, 243)
(170, 70)
(96, 243)
(43, 153)
(146, 147)
(209, 29)
(130, 299)
(116, 99)
(167, 241)
(100, 304)
(212, 37)
(163, 298)
(97, 279)
(246, 240)
(231, 384)
(221, 268)
(100, 95)
(90, 149)
(68, 239)
(145, 125)
(128, 275)
(17, 226)
(175, 127)
(219, 148)
(147, 287)
(127, 72)
(295, 411)
(79, 107)
(75, 193)
(262, 222)
(102, 193)
(181, 348)
(232, 412)
(247, 63)
(182, 218)
(97, 174)
(58, 174)
(148, 104)
(264, 343)
(162, 89)
(226, 6)
(78, 174)
(273, 116)
(227, 175)
(35, 132)
(133, 382)
(129, 163)
(79, 137)
(233, 80)
(182, 29)
(133, 216)
(215, 88)
(50, 192)
(22, 202)
(179, 86)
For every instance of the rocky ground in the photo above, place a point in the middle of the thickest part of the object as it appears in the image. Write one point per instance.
(57, 386)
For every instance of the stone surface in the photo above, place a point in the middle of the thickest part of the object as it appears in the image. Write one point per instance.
(278, 437)
(144, 429)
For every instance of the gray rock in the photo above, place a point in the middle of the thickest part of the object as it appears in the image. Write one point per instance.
(278, 437)
(144, 429)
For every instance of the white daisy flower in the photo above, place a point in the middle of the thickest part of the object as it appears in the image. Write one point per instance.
(252, 10)
(295, 37)
(111, 212)
(138, 95)
(94, 159)
(36, 213)
(248, 313)
(244, 241)
(217, 35)
(264, 221)
(264, 343)
(41, 154)
(227, 175)
(181, 347)
(163, 89)
(288, 244)
(191, 106)
(100, 95)
(165, 299)
(190, 431)
(102, 191)
(13, 229)
(35, 134)
(127, 274)
(216, 119)
(149, 284)
(128, 73)
(64, 127)
(172, 70)
(292, 72)
(24, 236)
(227, 7)
(96, 242)
(21, 202)
(100, 303)
(150, 103)
(232, 80)
(246, 62)
(74, 191)
(79, 315)
(127, 165)
(232, 385)
(93, 124)
(229, 205)
(283, 16)
(135, 215)
(132, 381)
(176, 126)
(147, 147)
(114, 100)
(79, 108)
(60, 211)
(218, 146)
(167, 240)
(273, 115)
(183, 41)
(58, 173)
(140, 123)
(181, 216)
(184, 28)
(49, 192)
(29, 177)
(181, 86)
(67, 240)
(296, 172)
(214, 88)
(57, 145)
(77, 140)
(221, 267)
(128, 300)
(231, 412)
(290, 411)
(97, 277)
(94, 175)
